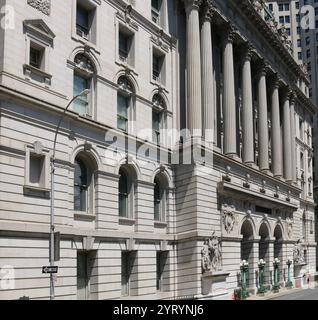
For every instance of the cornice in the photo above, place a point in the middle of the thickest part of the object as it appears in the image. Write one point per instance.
(248, 9)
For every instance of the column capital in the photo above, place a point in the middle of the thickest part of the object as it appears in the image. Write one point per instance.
(287, 92)
(208, 10)
(292, 97)
(276, 81)
(247, 51)
(192, 4)
(262, 68)
(229, 32)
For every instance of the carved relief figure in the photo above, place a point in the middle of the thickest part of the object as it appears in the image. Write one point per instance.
(211, 254)
(299, 255)
(42, 5)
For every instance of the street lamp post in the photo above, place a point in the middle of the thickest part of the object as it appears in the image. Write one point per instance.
(52, 227)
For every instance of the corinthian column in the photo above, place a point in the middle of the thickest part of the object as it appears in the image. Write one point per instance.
(293, 137)
(263, 120)
(287, 140)
(193, 67)
(247, 101)
(229, 110)
(277, 160)
(207, 73)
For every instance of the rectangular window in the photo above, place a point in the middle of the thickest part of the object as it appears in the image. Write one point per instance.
(82, 276)
(287, 19)
(124, 46)
(297, 5)
(281, 7)
(300, 55)
(125, 273)
(122, 112)
(158, 66)
(37, 56)
(37, 170)
(86, 20)
(161, 264)
(82, 22)
(301, 129)
(155, 11)
(80, 105)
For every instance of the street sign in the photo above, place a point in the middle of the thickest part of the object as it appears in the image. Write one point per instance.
(49, 269)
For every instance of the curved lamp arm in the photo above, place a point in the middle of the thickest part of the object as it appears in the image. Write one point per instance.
(83, 93)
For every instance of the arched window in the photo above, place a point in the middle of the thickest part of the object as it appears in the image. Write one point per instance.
(84, 74)
(123, 194)
(83, 186)
(124, 104)
(80, 186)
(158, 118)
(126, 192)
(304, 225)
(160, 198)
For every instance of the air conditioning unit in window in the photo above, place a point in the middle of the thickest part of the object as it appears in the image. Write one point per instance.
(82, 34)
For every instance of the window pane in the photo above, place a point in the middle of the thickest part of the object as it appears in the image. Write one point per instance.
(82, 17)
(122, 124)
(35, 58)
(124, 274)
(122, 106)
(122, 113)
(123, 45)
(80, 186)
(123, 195)
(157, 201)
(80, 105)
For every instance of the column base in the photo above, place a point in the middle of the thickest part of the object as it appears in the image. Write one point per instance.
(234, 156)
(268, 172)
(251, 165)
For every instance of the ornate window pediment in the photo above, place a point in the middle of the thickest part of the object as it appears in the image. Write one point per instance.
(83, 63)
(40, 29)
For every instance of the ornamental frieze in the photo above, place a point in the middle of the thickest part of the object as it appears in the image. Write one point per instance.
(42, 5)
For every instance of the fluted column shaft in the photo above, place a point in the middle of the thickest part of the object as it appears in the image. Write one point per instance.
(277, 160)
(263, 121)
(293, 137)
(247, 100)
(207, 76)
(287, 141)
(229, 110)
(193, 68)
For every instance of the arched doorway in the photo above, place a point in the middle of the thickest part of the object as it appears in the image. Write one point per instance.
(264, 253)
(247, 249)
(278, 248)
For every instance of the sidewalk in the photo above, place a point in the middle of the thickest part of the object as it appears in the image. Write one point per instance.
(270, 295)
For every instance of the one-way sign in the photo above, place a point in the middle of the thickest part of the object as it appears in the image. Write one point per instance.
(50, 269)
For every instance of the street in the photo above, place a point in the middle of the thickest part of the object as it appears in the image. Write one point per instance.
(308, 294)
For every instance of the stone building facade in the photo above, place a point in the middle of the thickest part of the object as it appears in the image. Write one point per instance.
(184, 159)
